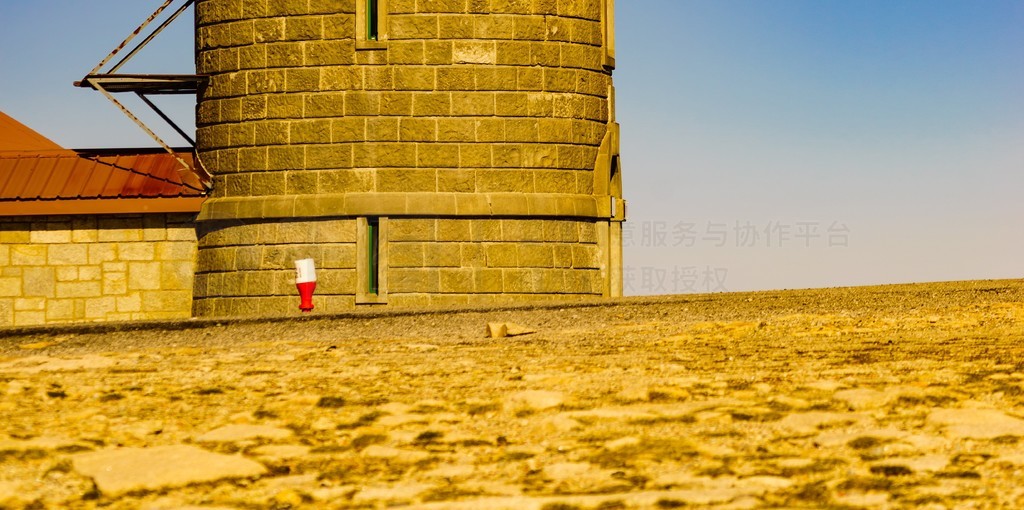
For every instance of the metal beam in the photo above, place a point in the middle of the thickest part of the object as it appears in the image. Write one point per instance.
(152, 34)
(131, 36)
(189, 175)
(167, 119)
(110, 82)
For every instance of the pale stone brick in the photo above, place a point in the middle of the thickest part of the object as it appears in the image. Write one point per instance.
(5, 254)
(143, 275)
(176, 275)
(60, 310)
(68, 254)
(115, 266)
(67, 273)
(6, 312)
(129, 303)
(28, 254)
(89, 273)
(588, 232)
(181, 234)
(181, 250)
(78, 289)
(39, 281)
(35, 304)
(47, 236)
(522, 230)
(85, 236)
(29, 318)
(136, 251)
(10, 287)
(115, 283)
(102, 253)
(98, 308)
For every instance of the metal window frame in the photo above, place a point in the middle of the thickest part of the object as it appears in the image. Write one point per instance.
(371, 260)
(369, 12)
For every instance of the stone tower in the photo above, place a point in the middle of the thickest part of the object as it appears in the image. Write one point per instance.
(422, 152)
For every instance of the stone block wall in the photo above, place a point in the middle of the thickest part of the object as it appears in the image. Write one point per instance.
(478, 132)
(462, 96)
(425, 262)
(59, 269)
(248, 268)
(474, 261)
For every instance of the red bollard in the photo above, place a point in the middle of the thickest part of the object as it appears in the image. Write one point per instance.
(305, 280)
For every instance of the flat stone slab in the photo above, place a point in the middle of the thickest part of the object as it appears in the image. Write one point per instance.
(243, 432)
(534, 400)
(976, 423)
(36, 364)
(125, 470)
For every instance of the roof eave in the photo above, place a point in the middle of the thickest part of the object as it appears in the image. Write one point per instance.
(159, 205)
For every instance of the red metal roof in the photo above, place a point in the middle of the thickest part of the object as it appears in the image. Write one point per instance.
(41, 181)
(37, 177)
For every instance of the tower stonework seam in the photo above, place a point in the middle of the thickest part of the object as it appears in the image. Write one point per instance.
(430, 152)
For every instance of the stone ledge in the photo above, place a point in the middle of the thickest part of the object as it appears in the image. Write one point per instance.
(537, 205)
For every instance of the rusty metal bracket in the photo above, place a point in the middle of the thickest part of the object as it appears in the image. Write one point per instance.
(109, 82)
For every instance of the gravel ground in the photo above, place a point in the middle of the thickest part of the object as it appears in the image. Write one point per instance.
(905, 396)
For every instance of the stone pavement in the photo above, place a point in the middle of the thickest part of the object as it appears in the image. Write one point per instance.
(882, 397)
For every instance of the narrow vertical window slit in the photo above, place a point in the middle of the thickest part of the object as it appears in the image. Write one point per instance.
(373, 255)
(372, 21)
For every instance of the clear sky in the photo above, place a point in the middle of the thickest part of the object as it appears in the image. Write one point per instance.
(766, 144)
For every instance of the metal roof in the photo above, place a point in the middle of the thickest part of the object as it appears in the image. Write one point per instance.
(95, 182)
(38, 177)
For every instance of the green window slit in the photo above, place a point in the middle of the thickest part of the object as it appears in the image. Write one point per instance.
(373, 260)
(372, 28)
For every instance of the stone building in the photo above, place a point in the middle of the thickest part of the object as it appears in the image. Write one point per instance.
(93, 235)
(422, 152)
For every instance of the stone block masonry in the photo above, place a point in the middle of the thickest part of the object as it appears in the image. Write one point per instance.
(429, 262)
(58, 269)
(437, 152)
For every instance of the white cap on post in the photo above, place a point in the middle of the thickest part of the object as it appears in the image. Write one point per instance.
(305, 271)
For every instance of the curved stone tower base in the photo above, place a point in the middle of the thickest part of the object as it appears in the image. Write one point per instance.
(428, 262)
(420, 152)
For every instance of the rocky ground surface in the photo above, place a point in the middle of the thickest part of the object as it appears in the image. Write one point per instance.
(879, 397)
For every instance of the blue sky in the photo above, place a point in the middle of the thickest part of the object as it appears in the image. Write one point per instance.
(766, 144)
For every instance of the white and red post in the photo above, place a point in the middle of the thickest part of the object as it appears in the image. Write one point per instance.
(305, 280)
